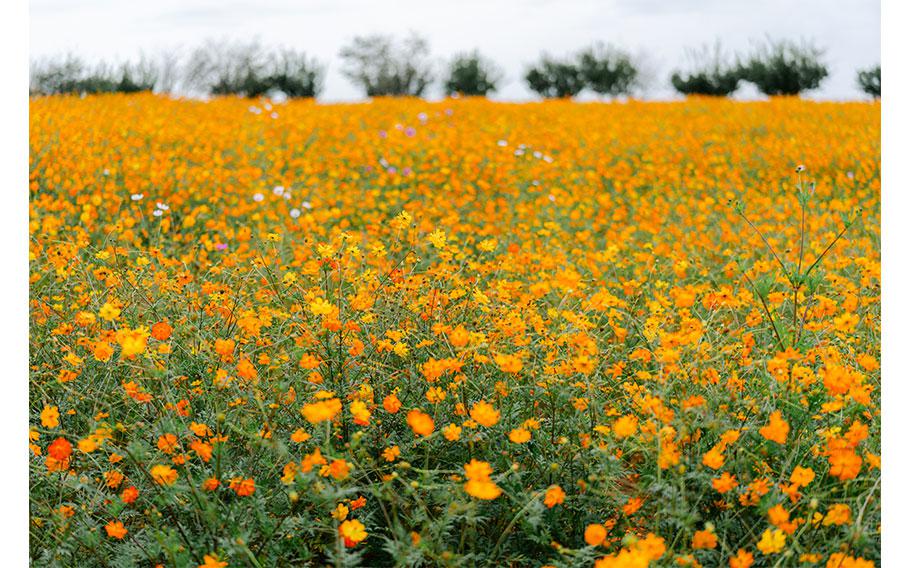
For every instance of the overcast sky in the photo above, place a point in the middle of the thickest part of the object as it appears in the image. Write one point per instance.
(511, 32)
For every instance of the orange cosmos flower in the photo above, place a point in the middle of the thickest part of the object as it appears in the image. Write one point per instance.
(838, 514)
(451, 432)
(486, 490)
(420, 423)
(132, 341)
(161, 331)
(554, 496)
(479, 484)
(632, 505)
(102, 351)
(391, 404)
(459, 336)
(163, 474)
(115, 529)
(225, 349)
(338, 469)
(309, 362)
(360, 412)
(845, 464)
(713, 458)
(777, 428)
(841, 560)
(60, 449)
(167, 443)
(724, 483)
(508, 363)
(50, 417)
(595, 534)
(246, 369)
(129, 495)
(321, 411)
(625, 426)
(743, 559)
(704, 539)
(353, 532)
(802, 476)
(484, 414)
(519, 436)
(772, 541)
(211, 561)
(243, 487)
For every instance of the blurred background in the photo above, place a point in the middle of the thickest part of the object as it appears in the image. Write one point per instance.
(658, 37)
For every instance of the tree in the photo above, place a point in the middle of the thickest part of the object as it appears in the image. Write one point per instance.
(249, 70)
(138, 77)
(710, 72)
(472, 74)
(555, 79)
(71, 75)
(870, 81)
(784, 67)
(608, 70)
(221, 68)
(295, 75)
(383, 68)
(170, 69)
(50, 76)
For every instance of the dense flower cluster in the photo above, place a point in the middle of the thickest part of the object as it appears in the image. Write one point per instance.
(455, 333)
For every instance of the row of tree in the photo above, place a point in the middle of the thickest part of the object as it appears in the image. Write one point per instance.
(382, 66)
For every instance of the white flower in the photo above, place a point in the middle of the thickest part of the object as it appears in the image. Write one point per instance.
(257, 197)
(552, 198)
(278, 189)
(306, 205)
(502, 143)
(162, 206)
(295, 213)
(136, 196)
(274, 115)
(157, 212)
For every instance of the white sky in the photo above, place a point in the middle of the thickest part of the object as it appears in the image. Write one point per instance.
(511, 32)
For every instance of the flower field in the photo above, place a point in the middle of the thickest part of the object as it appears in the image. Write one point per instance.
(456, 333)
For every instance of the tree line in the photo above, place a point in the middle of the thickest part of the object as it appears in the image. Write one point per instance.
(380, 65)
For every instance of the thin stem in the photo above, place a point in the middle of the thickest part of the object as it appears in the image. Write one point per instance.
(802, 321)
(799, 265)
(770, 248)
(795, 315)
(767, 312)
(511, 524)
(802, 229)
(822, 255)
